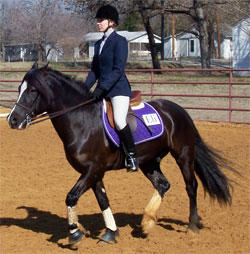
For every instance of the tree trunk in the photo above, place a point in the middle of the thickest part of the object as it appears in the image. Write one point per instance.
(152, 44)
(42, 53)
(211, 46)
(203, 31)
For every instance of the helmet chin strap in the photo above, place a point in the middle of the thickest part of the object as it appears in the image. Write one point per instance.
(107, 29)
(109, 26)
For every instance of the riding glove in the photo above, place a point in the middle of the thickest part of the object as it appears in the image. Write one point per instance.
(98, 93)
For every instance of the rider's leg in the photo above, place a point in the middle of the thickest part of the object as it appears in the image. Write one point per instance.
(120, 108)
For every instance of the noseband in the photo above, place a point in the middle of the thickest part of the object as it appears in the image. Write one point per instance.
(30, 111)
(28, 115)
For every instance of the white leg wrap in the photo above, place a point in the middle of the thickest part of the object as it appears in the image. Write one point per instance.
(149, 218)
(72, 217)
(109, 219)
(154, 204)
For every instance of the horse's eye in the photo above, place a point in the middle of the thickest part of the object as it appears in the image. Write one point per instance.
(33, 90)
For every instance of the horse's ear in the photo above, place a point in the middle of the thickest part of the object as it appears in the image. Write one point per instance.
(35, 66)
(46, 66)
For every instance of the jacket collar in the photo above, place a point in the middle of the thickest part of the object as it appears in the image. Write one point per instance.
(107, 41)
(108, 33)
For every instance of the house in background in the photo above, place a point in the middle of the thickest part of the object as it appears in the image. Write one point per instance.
(188, 45)
(20, 52)
(241, 46)
(138, 44)
(29, 52)
(225, 43)
(185, 45)
(54, 53)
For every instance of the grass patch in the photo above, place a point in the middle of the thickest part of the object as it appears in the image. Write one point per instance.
(190, 76)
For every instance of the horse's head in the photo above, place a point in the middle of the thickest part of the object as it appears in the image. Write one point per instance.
(32, 99)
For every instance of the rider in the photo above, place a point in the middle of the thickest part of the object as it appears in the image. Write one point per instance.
(108, 67)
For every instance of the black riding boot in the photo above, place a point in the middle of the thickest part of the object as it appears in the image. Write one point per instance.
(128, 145)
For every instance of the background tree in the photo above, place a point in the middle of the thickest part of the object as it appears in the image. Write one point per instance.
(131, 23)
(203, 14)
(64, 22)
(4, 29)
(44, 22)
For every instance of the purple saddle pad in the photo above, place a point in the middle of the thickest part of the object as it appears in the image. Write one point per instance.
(142, 134)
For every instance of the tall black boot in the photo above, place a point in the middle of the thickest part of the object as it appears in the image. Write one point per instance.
(128, 145)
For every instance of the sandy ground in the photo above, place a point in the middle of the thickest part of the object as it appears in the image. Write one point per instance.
(35, 178)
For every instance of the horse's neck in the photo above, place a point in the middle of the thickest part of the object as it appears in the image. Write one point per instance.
(83, 120)
(66, 95)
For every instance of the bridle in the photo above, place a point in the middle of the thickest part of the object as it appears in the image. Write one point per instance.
(46, 116)
(28, 117)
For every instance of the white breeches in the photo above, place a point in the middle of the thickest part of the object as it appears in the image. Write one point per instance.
(120, 108)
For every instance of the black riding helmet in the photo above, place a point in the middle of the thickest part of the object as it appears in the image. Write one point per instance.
(108, 12)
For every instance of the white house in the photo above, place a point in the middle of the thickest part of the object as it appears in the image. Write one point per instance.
(188, 45)
(241, 46)
(54, 53)
(168, 46)
(226, 48)
(137, 42)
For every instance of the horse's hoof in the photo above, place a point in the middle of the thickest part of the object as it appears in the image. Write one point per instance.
(76, 237)
(109, 236)
(194, 228)
(148, 223)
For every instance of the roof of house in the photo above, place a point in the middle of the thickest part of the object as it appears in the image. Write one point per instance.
(245, 20)
(226, 32)
(139, 36)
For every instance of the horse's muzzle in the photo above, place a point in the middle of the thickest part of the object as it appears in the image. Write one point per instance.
(16, 123)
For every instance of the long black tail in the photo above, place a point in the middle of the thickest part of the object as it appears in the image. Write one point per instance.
(207, 167)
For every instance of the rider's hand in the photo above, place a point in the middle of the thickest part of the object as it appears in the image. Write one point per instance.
(98, 93)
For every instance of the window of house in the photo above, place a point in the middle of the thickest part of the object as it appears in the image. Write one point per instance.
(145, 46)
(192, 46)
(134, 46)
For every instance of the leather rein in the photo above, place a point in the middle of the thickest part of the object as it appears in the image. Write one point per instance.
(46, 116)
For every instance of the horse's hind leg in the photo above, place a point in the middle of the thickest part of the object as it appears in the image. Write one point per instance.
(111, 228)
(153, 172)
(185, 161)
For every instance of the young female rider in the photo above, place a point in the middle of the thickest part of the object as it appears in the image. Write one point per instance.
(108, 67)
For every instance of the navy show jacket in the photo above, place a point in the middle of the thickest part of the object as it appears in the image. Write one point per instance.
(109, 67)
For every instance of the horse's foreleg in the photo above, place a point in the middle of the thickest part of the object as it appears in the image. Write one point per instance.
(153, 173)
(75, 233)
(111, 228)
(82, 185)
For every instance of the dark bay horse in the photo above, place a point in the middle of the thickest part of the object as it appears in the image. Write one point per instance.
(91, 153)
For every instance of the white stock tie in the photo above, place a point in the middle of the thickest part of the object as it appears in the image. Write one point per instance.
(102, 44)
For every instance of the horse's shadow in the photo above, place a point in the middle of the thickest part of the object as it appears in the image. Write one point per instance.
(57, 227)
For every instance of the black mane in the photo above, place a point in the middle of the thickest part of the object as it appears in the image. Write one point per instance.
(53, 84)
(67, 80)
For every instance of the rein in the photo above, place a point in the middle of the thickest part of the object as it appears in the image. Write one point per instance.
(46, 116)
